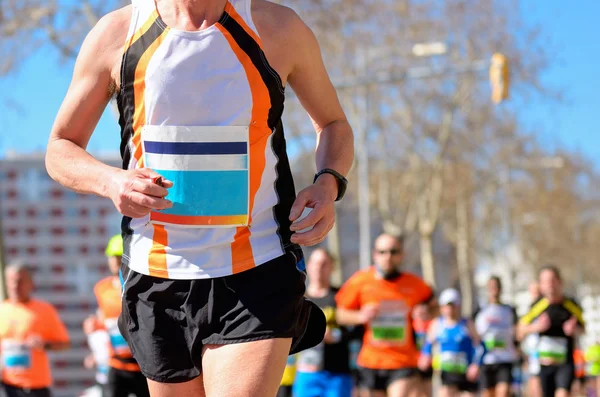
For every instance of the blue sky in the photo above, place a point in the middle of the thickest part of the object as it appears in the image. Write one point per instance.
(30, 98)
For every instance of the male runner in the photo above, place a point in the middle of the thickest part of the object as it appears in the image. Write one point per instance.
(557, 320)
(496, 324)
(213, 298)
(382, 298)
(324, 370)
(529, 348)
(124, 376)
(29, 328)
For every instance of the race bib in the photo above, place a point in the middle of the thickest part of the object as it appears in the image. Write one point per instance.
(390, 324)
(552, 350)
(209, 167)
(311, 360)
(454, 362)
(117, 341)
(495, 341)
(15, 355)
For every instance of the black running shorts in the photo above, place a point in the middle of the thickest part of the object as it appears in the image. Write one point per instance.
(494, 374)
(381, 379)
(122, 383)
(458, 381)
(13, 391)
(554, 377)
(168, 322)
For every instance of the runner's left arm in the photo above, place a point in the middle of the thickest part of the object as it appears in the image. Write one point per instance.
(335, 140)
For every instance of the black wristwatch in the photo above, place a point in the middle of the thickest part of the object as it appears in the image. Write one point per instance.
(342, 182)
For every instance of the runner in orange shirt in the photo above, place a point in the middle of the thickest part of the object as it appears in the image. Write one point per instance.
(382, 298)
(29, 328)
(124, 375)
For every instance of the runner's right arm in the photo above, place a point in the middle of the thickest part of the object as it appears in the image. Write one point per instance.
(350, 310)
(67, 162)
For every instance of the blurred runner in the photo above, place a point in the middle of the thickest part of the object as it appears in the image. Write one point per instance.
(592, 368)
(98, 342)
(461, 352)
(529, 349)
(124, 376)
(29, 328)
(324, 370)
(496, 323)
(579, 384)
(421, 320)
(289, 375)
(558, 321)
(382, 298)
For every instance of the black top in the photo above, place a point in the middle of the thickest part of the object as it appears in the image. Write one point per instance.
(331, 357)
(559, 313)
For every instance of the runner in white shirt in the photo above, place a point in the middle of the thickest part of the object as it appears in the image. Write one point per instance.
(496, 325)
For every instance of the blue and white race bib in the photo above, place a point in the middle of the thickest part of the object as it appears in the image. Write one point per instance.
(209, 167)
(15, 355)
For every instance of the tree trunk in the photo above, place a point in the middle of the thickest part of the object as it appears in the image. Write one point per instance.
(462, 253)
(427, 261)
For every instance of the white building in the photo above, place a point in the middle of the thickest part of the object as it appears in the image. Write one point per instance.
(61, 235)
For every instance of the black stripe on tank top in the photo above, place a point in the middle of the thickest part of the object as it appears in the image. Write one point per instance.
(284, 184)
(126, 106)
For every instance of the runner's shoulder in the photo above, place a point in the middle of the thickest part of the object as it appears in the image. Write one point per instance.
(42, 306)
(109, 33)
(280, 23)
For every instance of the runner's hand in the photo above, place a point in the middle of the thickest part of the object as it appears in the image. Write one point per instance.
(89, 324)
(424, 362)
(368, 312)
(135, 194)
(543, 323)
(89, 362)
(35, 342)
(473, 372)
(570, 326)
(319, 196)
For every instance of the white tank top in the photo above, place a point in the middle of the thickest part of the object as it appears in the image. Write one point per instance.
(495, 324)
(204, 109)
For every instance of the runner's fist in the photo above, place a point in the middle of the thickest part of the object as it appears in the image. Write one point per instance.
(369, 312)
(543, 323)
(135, 193)
(90, 324)
(35, 342)
(319, 196)
(424, 362)
(473, 373)
(570, 326)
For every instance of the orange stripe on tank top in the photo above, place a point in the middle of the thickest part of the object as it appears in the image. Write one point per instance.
(237, 17)
(157, 257)
(241, 249)
(143, 29)
(139, 90)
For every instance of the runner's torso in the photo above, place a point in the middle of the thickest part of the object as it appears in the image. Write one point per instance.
(553, 345)
(455, 346)
(331, 357)
(495, 324)
(389, 342)
(204, 110)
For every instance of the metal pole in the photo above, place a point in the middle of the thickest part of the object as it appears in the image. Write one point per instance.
(2, 259)
(364, 207)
